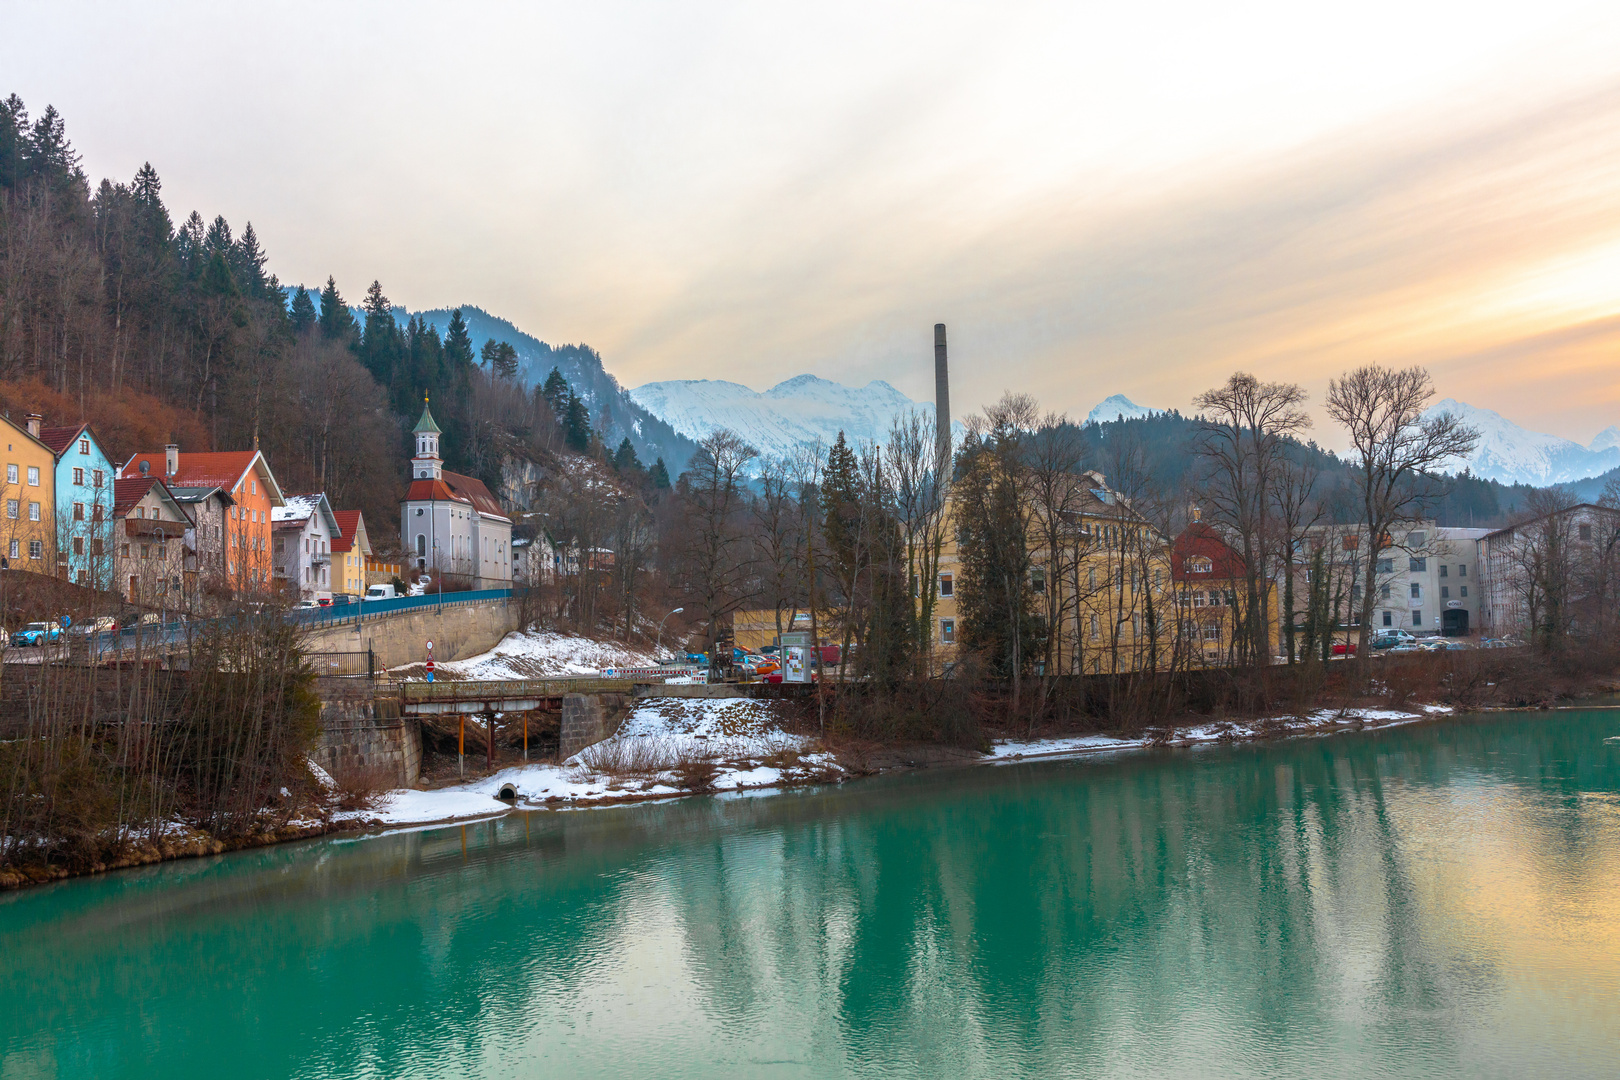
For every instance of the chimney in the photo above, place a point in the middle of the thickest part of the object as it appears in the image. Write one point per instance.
(942, 391)
(171, 460)
(33, 420)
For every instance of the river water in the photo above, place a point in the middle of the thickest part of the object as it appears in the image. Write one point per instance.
(1431, 901)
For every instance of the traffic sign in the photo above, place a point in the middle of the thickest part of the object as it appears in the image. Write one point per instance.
(430, 646)
(430, 667)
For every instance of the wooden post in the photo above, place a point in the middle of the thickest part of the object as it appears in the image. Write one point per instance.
(461, 745)
(489, 740)
(525, 735)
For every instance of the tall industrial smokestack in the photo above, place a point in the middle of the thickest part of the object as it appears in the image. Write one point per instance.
(942, 391)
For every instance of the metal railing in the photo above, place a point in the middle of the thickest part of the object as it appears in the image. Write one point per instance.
(360, 610)
(504, 689)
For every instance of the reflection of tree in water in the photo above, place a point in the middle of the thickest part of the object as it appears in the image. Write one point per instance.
(1155, 912)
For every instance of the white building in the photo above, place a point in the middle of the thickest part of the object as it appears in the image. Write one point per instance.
(1574, 544)
(451, 526)
(1429, 581)
(302, 531)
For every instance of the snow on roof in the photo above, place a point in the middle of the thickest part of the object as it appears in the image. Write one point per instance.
(297, 508)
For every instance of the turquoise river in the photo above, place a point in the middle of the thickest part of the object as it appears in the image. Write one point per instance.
(1439, 900)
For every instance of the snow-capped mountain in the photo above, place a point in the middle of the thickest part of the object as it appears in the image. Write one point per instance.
(1510, 454)
(801, 410)
(1118, 407)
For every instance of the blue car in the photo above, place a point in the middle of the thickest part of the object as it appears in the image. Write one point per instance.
(36, 633)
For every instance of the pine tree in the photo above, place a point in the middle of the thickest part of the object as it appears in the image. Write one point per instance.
(625, 456)
(336, 322)
(381, 347)
(248, 264)
(556, 392)
(576, 423)
(304, 318)
(13, 141)
(502, 358)
(458, 350)
(659, 475)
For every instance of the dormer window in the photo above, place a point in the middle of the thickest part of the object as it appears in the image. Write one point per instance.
(1200, 564)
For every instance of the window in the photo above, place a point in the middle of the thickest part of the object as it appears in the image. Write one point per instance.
(1383, 590)
(96, 547)
(1445, 592)
(1417, 617)
(14, 549)
(1463, 591)
(947, 585)
(281, 545)
(1586, 532)
(1037, 578)
(1136, 625)
(78, 477)
(1443, 569)
(947, 631)
(95, 512)
(1462, 569)
(1212, 632)
(1200, 564)
(418, 511)
(1091, 578)
(13, 507)
(140, 512)
(78, 511)
(33, 511)
(33, 476)
(162, 552)
(1096, 626)
(98, 477)
(146, 551)
(1198, 598)
(1415, 539)
(1388, 620)
(1417, 591)
(78, 545)
(421, 544)
(1386, 566)
(11, 474)
(36, 549)
(84, 446)
(124, 551)
(1417, 563)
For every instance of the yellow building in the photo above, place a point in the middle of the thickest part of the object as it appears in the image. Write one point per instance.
(29, 538)
(351, 551)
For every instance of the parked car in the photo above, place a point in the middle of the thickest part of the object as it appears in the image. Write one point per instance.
(305, 605)
(1389, 639)
(755, 666)
(344, 598)
(104, 624)
(1344, 648)
(323, 601)
(1450, 645)
(37, 633)
(381, 592)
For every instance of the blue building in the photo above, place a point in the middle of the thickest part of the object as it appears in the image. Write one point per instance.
(84, 502)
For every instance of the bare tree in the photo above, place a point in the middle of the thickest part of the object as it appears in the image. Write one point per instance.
(1243, 427)
(920, 465)
(1395, 447)
(714, 557)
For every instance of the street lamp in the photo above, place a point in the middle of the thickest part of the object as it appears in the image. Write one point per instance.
(658, 645)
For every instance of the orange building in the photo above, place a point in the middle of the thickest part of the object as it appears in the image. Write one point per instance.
(232, 493)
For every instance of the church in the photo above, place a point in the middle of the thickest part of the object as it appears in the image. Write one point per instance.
(450, 525)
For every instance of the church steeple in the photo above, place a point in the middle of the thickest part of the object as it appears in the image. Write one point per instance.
(426, 464)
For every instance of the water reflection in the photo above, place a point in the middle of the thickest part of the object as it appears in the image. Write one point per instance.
(1435, 901)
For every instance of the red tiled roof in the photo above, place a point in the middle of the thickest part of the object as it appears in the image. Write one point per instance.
(60, 438)
(456, 488)
(1200, 539)
(348, 528)
(221, 469)
(128, 492)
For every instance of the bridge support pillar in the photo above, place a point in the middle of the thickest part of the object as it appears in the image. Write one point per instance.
(587, 719)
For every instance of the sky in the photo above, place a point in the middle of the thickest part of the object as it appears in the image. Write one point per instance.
(1095, 198)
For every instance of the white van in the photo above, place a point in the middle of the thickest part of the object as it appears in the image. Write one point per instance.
(380, 592)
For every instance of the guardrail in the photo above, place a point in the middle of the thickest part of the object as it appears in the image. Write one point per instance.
(501, 689)
(360, 610)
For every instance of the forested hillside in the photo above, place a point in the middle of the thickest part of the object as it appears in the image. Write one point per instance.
(154, 329)
(1161, 447)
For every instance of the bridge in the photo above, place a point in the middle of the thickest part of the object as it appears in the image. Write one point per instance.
(503, 695)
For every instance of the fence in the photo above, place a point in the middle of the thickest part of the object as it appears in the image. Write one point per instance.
(357, 612)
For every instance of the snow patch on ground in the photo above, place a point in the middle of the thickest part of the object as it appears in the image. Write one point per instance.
(538, 654)
(741, 736)
(1313, 723)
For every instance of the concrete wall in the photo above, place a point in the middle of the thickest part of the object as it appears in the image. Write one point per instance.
(587, 719)
(401, 637)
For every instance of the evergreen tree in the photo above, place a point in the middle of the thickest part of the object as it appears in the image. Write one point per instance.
(502, 358)
(659, 475)
(458, 350)
(556, 392)
(625, 456)
(13, 141)
(304, 318)
(381, 348)
(576, 423)
(336, 322)
(248, 264)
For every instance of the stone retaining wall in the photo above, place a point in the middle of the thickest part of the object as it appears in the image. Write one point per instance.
(358, 736)
(587, 719)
